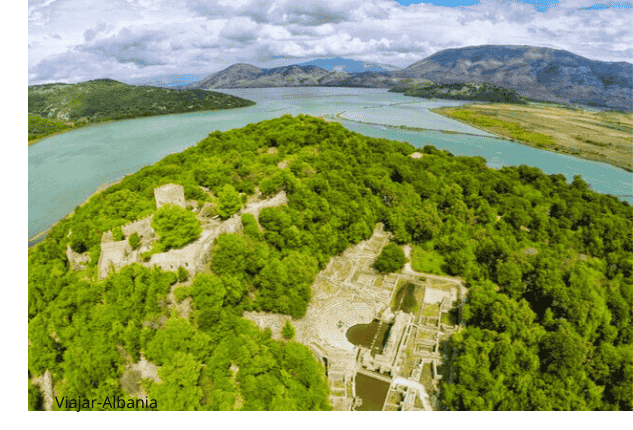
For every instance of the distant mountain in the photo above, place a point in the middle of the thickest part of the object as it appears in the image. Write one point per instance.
(247, 76)
(542, 73)
(165, 81)
(228, 77)
(349, 66)
(539, 73)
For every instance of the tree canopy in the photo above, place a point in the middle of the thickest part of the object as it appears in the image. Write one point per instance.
(547, 263)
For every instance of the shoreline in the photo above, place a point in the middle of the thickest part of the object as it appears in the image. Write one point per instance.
(112, 121)
(561, 149)
(339, 117)
(41, 236)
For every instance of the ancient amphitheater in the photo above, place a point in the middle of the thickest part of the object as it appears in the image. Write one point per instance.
(403, 355)
(349, 292)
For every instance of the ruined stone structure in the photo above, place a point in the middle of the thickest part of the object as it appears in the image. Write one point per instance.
(193, 256)
(350, 292)
(170, 193)
(116, 255)
(77, 261)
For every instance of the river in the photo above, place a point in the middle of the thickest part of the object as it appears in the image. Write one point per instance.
(64, 170)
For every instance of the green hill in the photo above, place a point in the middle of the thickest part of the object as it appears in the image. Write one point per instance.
(40, 127)
(105, 99)
(461, 91)
(547, 264)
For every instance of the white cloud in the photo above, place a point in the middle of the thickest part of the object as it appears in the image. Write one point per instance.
(116, 38)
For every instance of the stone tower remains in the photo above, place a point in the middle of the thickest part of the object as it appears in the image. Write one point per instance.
(170, 193)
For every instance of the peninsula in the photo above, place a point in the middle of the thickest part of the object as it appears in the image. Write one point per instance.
(295, 265)
(55, 108)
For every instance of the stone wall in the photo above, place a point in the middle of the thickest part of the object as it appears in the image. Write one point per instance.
(192, 257)
(77, 261)
(117, 254)
(170, 193)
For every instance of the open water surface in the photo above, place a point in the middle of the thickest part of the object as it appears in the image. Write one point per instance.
(64, 170)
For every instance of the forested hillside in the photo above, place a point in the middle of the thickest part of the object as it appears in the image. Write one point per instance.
(461, 91)
(548, 265)
(105, 99)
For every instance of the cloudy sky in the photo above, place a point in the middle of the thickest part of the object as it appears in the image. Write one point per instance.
(77, 40)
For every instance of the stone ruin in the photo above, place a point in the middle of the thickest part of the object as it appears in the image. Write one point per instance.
(170, 194)
(193, 256)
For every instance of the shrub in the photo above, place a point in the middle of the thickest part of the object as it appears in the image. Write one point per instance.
(134, 240)
(391, 259)
(229, 201)
(288, 331)
(183, 274)
(117, 234)
(181, 293)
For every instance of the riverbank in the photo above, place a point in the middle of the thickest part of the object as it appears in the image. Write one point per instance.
(75, 126)
(340, 116)
(39, 238)
(604, 136)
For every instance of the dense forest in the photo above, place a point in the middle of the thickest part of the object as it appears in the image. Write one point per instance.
(461, 91)
(548, 264)
(55, 107)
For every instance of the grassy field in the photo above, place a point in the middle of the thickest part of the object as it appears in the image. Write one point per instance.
(427, 261)
(602, 136)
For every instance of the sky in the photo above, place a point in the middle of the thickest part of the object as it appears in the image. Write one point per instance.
(78, 40)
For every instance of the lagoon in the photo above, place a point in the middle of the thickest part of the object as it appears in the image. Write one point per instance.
(64, 170)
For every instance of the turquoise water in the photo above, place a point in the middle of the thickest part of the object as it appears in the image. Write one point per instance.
(64, 170)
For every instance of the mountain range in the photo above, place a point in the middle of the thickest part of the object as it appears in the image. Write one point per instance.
(536, 72)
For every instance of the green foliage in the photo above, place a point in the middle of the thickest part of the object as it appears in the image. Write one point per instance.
(462, 91)
(134, 240)
(36, 400)
(514, 129)
(183, 274)
(391, 259)
(251, 227)
(117, 234)
(40, 127)
(178, 389)
(565, 280)
(181, 293)
(229, 201)
(105, 99)
(427, 261)
(175, 226)
(288, 331)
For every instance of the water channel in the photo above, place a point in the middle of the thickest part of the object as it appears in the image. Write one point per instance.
(64, 170)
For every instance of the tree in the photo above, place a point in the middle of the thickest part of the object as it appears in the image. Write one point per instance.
(176, 226)
(391, 259)
(288, 331)
(229, 201)
(179, 389)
